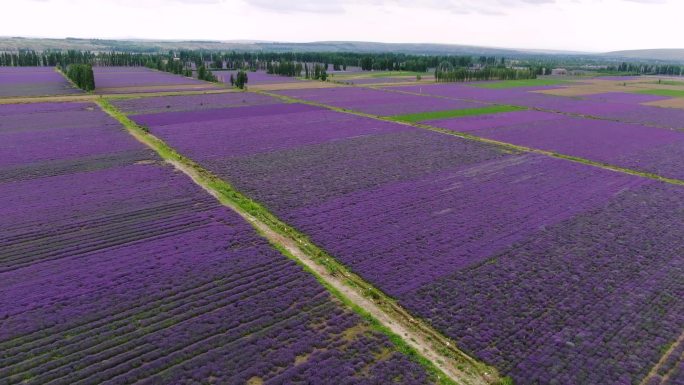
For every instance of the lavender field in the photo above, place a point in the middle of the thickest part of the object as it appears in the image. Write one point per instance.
(117, 269)
(33, 81)
(535, 226)
(113, 80)
(553, 271)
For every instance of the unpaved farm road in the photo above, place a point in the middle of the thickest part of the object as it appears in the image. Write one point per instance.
(416, 340)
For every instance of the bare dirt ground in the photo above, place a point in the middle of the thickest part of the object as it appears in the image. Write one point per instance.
(599, 86)
(668, 103)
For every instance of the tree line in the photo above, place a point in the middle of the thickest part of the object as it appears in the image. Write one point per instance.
(446, 72)
(82, 75)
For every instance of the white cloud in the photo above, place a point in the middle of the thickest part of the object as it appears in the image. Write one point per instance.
(596, 25)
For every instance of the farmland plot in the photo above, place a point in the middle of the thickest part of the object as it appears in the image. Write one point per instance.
(33, 81)
(633, 146)
(611, 107)
(120, 270)
(191, 102)
(378, 102)
(114, 80)
(554, 271)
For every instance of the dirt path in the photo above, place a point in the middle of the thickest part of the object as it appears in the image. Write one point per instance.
(426, 341)
(663, 358)
(417, 340)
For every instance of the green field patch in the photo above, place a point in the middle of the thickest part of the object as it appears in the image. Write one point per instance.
(446, 114)
(521, 83)
(670, 93)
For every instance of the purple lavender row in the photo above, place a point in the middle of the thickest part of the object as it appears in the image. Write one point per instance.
(251, 130)
(33, 81)
(133, 274)
(310, 175)
(106, 77)
(407, 234)
(179, 117)
(593, 299)
(389, 204)
(631, 146)
(191, 102)
(378, 102)
(255, 78)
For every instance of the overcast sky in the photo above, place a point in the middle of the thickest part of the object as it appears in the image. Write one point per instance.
(583, 25)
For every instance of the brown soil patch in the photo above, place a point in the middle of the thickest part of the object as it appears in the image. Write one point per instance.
(350, 334)
(255, 381)
(668, 103)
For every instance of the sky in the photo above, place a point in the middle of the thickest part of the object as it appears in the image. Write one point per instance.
(575, 25)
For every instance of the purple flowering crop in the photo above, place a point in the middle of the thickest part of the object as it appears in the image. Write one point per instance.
(116, 269)
(255, 78)
(192, 102)
(142, 79)
(633, 146)
(620, 108)
(378, 102)
(33, 81)
(554, 271)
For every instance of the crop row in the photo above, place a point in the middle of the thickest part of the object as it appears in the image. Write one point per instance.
(141, 79)
(128, 272)
(378, 102)
(191, 102)
(33, 81)
(627, 145)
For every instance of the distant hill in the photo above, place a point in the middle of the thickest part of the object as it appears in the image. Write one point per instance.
(664, 54)
(142, 45)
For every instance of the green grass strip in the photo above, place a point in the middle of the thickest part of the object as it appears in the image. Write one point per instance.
(520, 83)
(434, 115)
(670, 93)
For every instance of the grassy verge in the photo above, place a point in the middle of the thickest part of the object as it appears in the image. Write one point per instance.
(520, 83)
(670, 93)
(434, 115)
(231, 197)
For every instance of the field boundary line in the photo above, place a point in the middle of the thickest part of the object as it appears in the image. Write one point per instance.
(654, 370)
(412, 336)
(463, 135)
